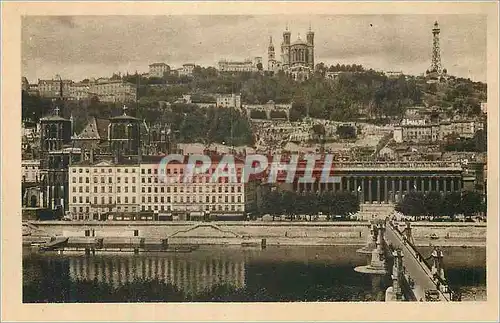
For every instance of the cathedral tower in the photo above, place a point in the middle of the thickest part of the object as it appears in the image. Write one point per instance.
(310, 44)
(271, 58)
(285, 48)
(55, 136)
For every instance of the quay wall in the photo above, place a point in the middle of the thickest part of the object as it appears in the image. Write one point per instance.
(447, 233)
(295, 233)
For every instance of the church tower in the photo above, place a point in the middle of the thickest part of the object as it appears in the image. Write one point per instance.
(285, 49)
(310, 45)
(124, 136)
(271, 58)
(55, 136)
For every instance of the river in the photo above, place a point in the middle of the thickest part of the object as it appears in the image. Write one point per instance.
(227, 274)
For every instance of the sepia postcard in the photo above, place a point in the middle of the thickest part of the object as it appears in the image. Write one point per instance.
(250, 161)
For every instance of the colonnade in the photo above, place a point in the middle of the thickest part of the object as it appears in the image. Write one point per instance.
(385, 189)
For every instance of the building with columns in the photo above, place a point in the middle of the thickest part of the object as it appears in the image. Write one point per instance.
(385, 182)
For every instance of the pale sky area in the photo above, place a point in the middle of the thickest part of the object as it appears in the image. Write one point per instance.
(78, 47)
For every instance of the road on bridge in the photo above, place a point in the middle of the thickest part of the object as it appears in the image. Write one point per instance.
(413, 267)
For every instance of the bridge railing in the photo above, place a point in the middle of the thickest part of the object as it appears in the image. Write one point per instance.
(421, 260)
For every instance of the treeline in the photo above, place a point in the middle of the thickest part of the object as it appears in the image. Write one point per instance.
(478, 143)
(462, 95)
(34, 107)
(292, 204)
(211, 125)
(322, 68)
(189, 123)
(434, 204)
(321, 98)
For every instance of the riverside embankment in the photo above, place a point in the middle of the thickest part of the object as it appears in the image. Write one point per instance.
(236, 233)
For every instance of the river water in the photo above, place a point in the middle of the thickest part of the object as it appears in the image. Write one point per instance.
(228, 274)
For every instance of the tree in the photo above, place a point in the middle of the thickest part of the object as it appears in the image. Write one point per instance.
(452, 203)
(273, 203)
(309, 204)
(297, 112)
(412, 204)
(289, 203)
(258, 114)
(472, 203)
(277, 114)
(433, 202)
(346, 132)
(346, 203)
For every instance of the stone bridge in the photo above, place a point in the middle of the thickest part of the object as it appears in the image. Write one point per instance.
(392, 252)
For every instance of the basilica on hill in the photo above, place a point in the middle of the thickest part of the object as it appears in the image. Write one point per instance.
(297, 58)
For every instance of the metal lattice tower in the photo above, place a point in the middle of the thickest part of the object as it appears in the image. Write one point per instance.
(436, 50)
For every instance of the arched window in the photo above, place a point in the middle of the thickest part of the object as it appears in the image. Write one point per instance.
(33, 201)
(53, 131)
(119, 131)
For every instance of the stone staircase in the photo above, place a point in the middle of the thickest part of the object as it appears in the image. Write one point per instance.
(370, 211)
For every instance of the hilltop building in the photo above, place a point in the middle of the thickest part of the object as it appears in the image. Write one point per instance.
(158, 69)
(297, 58)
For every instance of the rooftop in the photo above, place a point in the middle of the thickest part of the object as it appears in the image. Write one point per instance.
(158, 64)
(54, 117)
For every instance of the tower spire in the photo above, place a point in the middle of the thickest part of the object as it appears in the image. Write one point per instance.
(436, 50)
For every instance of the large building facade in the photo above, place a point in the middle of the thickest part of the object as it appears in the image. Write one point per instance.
(107, 190)
(113, 90)
(297, 58)
(158, 69)
(247, 65)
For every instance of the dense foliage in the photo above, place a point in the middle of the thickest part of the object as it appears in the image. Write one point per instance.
(354, 93)
(329, 203)
(437, 205)
(478, 143)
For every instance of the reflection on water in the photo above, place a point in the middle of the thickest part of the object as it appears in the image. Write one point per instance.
(221, 274)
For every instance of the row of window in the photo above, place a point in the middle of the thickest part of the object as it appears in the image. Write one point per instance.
(162, 208)
(103, 180)
(168, 189)
(103, 200)
(193, 199)
(175, 171)
(103, 189)
(196, 179)
(199, 189)
(103, 170)
(161, 199)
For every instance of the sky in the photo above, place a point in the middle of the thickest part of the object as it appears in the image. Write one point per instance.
(79, 47)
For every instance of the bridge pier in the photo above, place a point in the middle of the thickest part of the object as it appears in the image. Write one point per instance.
(371, 242)
(377, 265)
(395, 292)
(437, 264)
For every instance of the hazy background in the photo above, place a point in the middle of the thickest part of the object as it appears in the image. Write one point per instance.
(78, 47)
